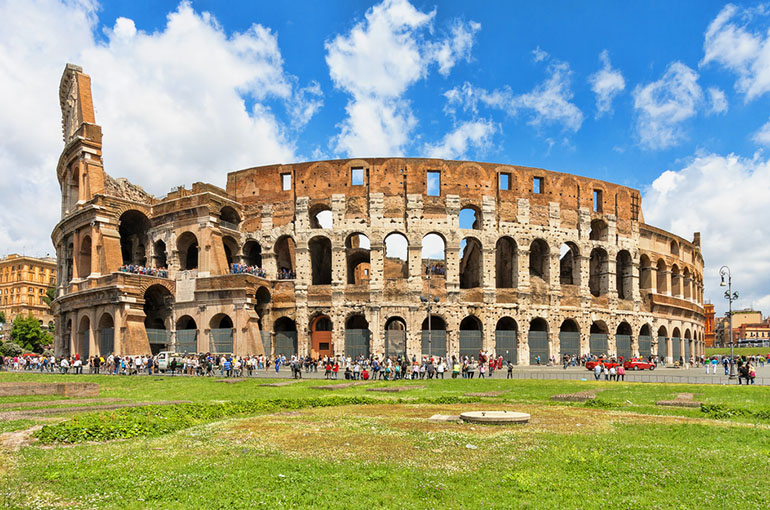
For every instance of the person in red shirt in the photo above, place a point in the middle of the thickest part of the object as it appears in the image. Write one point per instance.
(365, 375)
(335, 370)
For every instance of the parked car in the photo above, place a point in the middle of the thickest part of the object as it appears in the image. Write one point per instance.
(165, 357)
(607, 363)
(638, 364)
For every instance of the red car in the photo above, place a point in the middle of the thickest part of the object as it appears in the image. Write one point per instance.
(638, 364)
(609, 364)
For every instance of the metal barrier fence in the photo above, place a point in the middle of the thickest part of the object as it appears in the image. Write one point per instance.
(187, 340)
(221, 340)
(676, 348)
(645, 346)
(395, 342)
(158, 336)
(623, 346)
(356, 342)
(285, 343)
(598, 344)
(641, 377)
(470, 343)
(506, 345)
(85, 344)
(538, 346)
(106, 341)
(437, 345)
(569, 343)
(266, 342)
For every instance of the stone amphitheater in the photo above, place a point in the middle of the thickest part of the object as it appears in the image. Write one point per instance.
(385, 256)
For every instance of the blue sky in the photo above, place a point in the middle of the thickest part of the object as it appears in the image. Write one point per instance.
(667, 97)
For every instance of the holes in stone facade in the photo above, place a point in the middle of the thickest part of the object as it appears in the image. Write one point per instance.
(569, 264)
(286, 182)
(598, 279)
(599, 230)
(538, 260)
(357, 176)
(321, 217)
(506, 263)
(159, 255)
(471, 263)
(598, 200)
(538, 185)
(320, 260)
(470, 218)
(504, 181)
(433, 183)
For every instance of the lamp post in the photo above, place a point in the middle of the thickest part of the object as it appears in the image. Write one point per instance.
(730, 296)
(429, 302)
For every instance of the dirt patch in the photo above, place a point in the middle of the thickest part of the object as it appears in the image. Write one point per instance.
(17, 439)
(580, 396)
(486, 394)
(229, 381)
(66, 389)
(678, 403)
(284, 383)
(339, 386)
(395, 389)
(45, 403)
(34, 413)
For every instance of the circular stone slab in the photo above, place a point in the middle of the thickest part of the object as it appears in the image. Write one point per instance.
(494, 417)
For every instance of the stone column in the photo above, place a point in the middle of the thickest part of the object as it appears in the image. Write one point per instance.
(523, 348)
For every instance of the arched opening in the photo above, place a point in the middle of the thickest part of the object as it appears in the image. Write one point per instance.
(569, 264)
(624, 275)
(229, 218)
(434, 255)
(538, 341)
(186, 335)
(674, 248)
(569, 339)
(506, 341)
(470, 218)
(661, 284)
(133, 237)
(598, 341)
(321, 216)
(357, 336)
(598, 276)
(157, 310)
(395, 337)
(471, 261)
(687, 345)
(84, 338)
(320, 260)
(68, 338)
(231, 249)
(676, 344)
(663, 349)
(506, 263)
(187, 246)
(687, 286)
(645, 273)
(106, 335)
(396, 263)
(434, 338)
(68, 262)
(599, 230)
(84, 257)
(221, 332)
(623, 341)
(159, 255)
(252, 254)
(285, 258)
(471, 338)
(263, 302)
(538, 260)
(285, 337)
(321, 336)
(645, 341)
(358, 255)
(676, 281)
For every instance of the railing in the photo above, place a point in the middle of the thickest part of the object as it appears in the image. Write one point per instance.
(146, 271)
(228, 224)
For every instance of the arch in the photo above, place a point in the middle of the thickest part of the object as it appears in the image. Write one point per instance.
(645, 272)
(106, 334)
(396, 264)
(470, 217)
(187, 246)
(395, 337)
(252, 253)
(285, 257)
(321, 336)
(358, 255)
(186, 323)
(676, 281)
(471, 337)
(320, 249)
(599, 230)
(133, 237)
(687, 287)
(84, 337)
(321, 216)
(159, 254)
(676, 344)
(434, 339)
(471, 263)
(68, 337)
(569, 264)
(186, 335)
(539, 253)
(229, 217)
(623, 340)
(661, 283)
(598, 276)
(434, 254)
(231, 249)
(598, 344)
(221, 331)
(506, 339)
(84, 257)
(506, 263)
(538, 341)
(569, 338)
(357, 336)
(674, 248)
(624, 275)
(157, 310)
(645, 341)
(285, 330)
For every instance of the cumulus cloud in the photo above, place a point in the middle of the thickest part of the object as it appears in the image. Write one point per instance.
(377, 61)
(724, 198)
(168, 101)
(455, 144)
(606, 83)
(762, 137)
(717, 101)
(731, 42)
(548, 103)
(663, 105)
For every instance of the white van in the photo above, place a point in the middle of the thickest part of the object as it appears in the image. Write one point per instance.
(165, 357)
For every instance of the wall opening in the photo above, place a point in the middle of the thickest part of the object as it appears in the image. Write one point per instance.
(286, 256)
(321, 260)
(229, 218)
(187, 246)
(321, 217)
(661, 285)
(506, 263)
(676, 281)
(624, 275)
(569, 264)
(434, 255)
(133, 237)
(598, 279)
(231, 249)
(538, 260)
(159, 254)
(599, 230)
(252, 254)
(396, 252)
(645, 273)
(471, 263)
(358, 255)
(84, 257)
(433, 183)
(470, 218)
(157, 310)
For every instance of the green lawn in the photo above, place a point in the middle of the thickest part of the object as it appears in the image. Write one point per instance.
(739, 351)
(622, 450)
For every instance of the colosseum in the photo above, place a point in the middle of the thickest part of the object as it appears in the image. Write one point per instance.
(378, 256)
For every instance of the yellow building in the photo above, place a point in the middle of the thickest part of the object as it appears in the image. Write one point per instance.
(23, 282)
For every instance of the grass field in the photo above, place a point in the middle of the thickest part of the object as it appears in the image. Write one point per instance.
(739, 351)
(621, 450)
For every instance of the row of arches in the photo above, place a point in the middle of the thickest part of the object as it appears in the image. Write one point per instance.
(670, 279)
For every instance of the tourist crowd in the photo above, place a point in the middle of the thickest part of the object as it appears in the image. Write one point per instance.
(243, 268)
(149, 271)
(285, 274)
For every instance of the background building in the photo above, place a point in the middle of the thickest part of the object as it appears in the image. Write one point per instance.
(333, 257)
(23, 285)
(709, 325)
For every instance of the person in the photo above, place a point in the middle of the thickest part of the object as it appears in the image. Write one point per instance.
(621, 372)
(752, 373)
(510, 370)
(714, 364)
(613, 374)
(597, 371)
(606, 373)
(482, 370)
(365, 374)
(455, 370)
(707, 365)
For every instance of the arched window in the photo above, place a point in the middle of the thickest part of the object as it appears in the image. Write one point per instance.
(661, 284)
(471, 260)
(395, 337)
(321, 260)
(471, 337)
(538, 341)
(623, 340)
(645, 273)
(434, 255)
(598, 341)
(676, 281)
(252, 254)
(434, 338)
(569, 264)
(624, 275)
(569, 338)
(106, 335)
(157, 311)
(506, 263)
(159, 256)
(321, 216)
(358, 254)
(133, 237)
(229, 218)
(84, 257)
(396, 256)
(285, 254)
(599, 230)
(538, 260)
(285, 336)
(470, 218)
(357, 336)
(231, 249)
(187, 246)
(598, 279)
(221, 331)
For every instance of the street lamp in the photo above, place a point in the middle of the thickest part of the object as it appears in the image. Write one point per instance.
(730, 296)
(429, 302)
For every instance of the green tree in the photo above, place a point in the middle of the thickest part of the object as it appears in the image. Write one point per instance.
(2, 317)
(26, 332)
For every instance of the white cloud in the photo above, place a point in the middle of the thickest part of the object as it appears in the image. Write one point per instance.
(377, 61)
(762, 137)
(724, 198)
(455, 144)
(606, 83)
(538, 55)
(731, 43)
(548, 103)
(168, 102)
(663, 105)
(717, 101)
